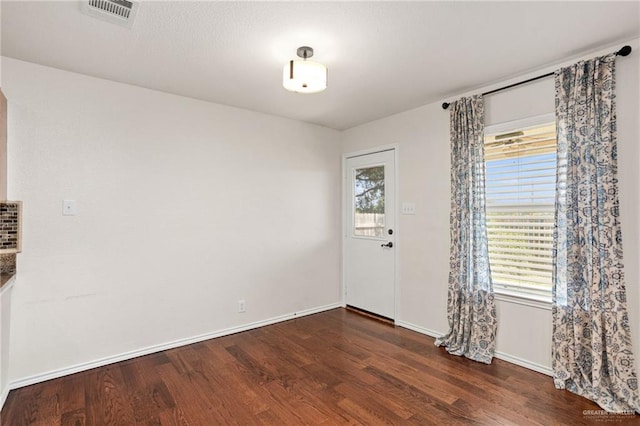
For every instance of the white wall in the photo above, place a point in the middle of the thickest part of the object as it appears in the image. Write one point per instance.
(184, 207)
(0, 38)
(524, 332)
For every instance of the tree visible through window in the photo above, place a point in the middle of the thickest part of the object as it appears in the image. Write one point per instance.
(369, 202)
(520, 197)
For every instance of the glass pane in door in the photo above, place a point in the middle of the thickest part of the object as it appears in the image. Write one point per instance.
(369, 202)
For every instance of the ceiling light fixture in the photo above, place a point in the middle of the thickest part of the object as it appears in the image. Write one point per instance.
(303, 76)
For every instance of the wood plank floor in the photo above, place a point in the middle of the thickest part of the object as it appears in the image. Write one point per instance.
(335, 367)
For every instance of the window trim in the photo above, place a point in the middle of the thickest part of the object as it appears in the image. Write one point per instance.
(509, 295)
(532, 300)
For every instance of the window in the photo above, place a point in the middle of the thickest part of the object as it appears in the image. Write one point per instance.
(520, 196)
(369, 202)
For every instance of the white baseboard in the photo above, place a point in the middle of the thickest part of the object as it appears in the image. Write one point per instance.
(524, 363)
(419, 329)
(500, 355)
(54, 374)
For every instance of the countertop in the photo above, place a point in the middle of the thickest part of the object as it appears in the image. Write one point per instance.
(6, 279)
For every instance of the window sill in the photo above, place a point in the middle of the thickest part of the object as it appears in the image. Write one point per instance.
(540, 302)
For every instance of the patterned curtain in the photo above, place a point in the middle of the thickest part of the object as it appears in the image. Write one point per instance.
(470, 308)
(591, 339)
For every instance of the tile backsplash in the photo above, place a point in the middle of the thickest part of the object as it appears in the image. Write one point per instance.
(10, 235)
(10, 226)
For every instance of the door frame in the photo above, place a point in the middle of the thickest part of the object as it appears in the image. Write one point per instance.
(396, 208)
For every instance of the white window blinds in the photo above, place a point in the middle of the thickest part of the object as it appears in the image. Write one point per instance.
(520, 196)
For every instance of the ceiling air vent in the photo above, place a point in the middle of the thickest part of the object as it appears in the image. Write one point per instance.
(121, 12)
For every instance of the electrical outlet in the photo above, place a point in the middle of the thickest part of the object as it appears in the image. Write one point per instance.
(241, 306)
(408, 208)
(69, 208)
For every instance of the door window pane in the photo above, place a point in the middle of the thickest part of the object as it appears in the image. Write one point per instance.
(369, 202)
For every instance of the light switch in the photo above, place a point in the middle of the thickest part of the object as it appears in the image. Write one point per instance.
(69, 208)
(408, 208)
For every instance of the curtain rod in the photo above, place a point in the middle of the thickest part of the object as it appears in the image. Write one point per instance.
(625, 51)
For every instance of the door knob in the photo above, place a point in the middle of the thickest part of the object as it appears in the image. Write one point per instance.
(389, 244)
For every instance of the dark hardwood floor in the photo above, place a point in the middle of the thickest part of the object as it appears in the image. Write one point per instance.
(330, 368)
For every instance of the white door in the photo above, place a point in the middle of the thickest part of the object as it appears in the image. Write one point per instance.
(370, 233)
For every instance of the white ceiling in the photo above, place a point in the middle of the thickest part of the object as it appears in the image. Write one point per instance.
(383, 57)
